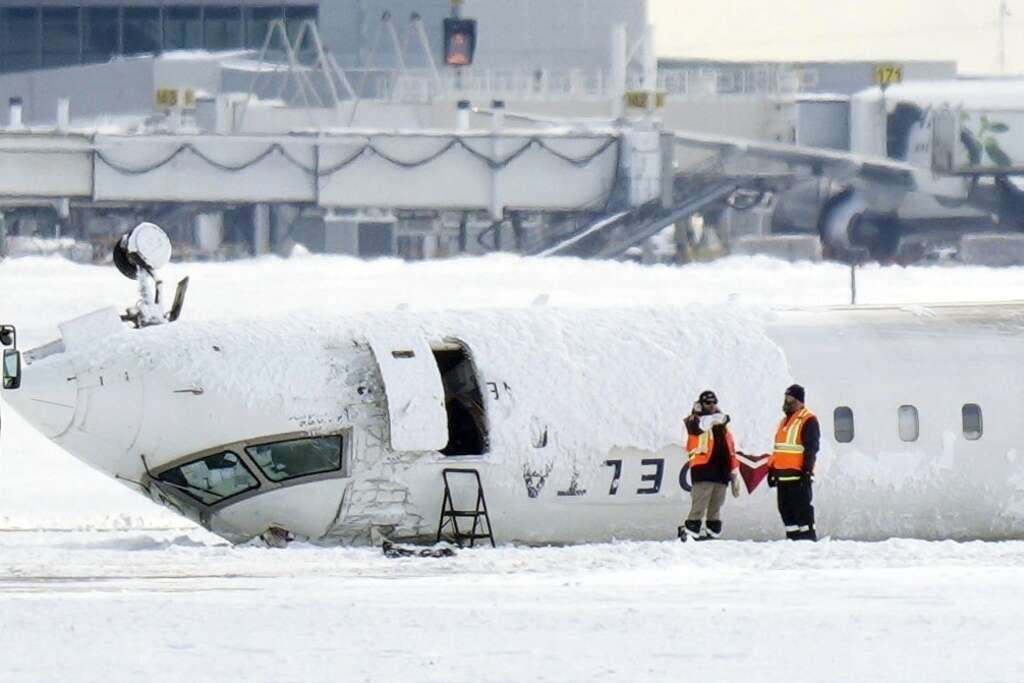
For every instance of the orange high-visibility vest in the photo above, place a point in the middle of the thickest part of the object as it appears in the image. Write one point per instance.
(789, 445)
(699, 448)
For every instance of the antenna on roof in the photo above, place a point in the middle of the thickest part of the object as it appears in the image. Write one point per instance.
(138, 255)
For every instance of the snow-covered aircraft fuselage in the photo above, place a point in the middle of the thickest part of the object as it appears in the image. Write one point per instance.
(337, 429)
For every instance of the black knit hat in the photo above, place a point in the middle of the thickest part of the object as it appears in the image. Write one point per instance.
(796, 391)
(708, 396)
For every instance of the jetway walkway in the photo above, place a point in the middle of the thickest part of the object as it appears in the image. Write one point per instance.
(559, 170)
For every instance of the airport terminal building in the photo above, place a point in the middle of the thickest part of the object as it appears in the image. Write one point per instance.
(60, 33)
(514, 33)
(185, 82)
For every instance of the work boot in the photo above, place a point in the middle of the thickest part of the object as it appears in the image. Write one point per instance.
(713, 527)
(808, 535)
(793, 535)
(690, 529)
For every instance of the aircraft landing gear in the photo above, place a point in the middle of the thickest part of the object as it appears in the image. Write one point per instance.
(878, 235)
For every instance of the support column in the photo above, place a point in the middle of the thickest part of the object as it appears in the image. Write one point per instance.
(260, 229)
(462, 115)
(650, 71)
(63, 114)
(209, 231)
(617, 78)
(14, 121)
(497, 151)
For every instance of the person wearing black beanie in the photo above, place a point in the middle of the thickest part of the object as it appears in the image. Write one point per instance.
(791, 467)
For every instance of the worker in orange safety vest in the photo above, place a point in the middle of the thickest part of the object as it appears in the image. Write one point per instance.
(791, 467)
(713, 467)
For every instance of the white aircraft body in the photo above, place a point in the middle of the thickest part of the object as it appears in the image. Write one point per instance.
(337, 429)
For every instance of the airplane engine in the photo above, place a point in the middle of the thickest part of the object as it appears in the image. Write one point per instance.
(850, 230)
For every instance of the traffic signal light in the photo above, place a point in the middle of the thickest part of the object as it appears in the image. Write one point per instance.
(459, 41)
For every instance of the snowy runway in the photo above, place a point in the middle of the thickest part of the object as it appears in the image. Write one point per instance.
(180, 605)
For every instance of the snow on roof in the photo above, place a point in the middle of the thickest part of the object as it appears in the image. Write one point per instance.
(202, 55)
(979, 93)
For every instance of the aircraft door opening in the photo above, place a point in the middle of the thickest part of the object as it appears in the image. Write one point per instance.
(467, 421)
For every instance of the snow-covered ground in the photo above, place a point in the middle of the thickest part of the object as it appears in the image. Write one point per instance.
(182, 606)
(128, 591)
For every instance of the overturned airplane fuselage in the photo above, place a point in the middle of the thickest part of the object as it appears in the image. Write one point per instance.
(337, 430)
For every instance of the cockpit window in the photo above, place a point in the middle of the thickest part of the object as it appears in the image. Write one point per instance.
(297, 458)
(213, 478)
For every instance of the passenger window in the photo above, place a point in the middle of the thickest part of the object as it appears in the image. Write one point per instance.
(298, 458)
(212, 479)
(910, 427)
(971, 413)
(842, 418)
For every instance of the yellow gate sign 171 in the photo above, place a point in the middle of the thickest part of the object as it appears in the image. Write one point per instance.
(888, 74)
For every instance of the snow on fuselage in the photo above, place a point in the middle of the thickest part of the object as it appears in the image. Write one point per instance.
(333, 428)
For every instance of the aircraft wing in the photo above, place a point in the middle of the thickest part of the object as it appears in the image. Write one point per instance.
(839, 165)
(746, 157)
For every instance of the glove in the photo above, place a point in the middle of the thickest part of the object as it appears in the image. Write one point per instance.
(734, 484)
(707, 422)
(808, 477)
(772, 480)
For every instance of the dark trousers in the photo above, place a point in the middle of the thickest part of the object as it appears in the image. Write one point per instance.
(796, 509)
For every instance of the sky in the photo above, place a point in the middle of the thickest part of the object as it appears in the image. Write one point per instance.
(790, 30)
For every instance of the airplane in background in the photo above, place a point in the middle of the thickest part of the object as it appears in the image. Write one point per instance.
(925, 159)
(534, 426)
(920, 160)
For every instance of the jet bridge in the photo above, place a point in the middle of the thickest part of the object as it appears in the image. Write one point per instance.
(547, 170)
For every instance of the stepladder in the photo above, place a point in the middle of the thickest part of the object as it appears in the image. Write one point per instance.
(449, 522)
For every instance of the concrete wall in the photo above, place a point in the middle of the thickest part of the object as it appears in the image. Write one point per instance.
(261, 119)
(349, 28)
(119, 87)
(122, 86)
(202, 73)
(765, 119)
(823, 123)
(992, 250)
(41, 166)
(541, 34)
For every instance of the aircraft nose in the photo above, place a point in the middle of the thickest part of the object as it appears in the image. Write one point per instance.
(47, 395)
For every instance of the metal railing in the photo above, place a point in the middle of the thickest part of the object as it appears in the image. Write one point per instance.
(319, 80)
(424, 85)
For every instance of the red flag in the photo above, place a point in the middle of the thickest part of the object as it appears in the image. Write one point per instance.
(753, 469)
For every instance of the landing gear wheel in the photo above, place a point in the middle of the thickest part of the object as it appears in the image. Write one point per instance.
(878, 236)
